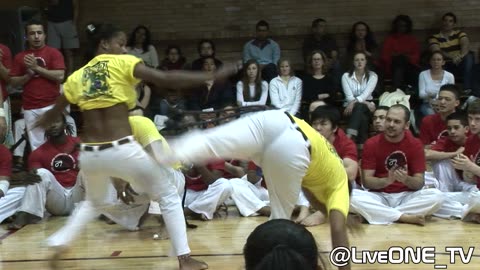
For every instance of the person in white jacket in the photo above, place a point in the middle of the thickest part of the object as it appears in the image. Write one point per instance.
(358, 85)
(286, 89)
(430, 81)
(252, 90)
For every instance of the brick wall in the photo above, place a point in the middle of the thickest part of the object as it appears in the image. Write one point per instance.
(230, 23)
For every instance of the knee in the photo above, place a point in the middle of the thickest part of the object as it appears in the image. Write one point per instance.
(224, 185)
(433, 194)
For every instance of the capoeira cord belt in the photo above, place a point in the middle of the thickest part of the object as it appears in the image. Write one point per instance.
(177, 120)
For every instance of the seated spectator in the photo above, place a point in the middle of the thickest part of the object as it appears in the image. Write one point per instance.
(252, 90)
(358, 85)
(454, 43)
(60, 188)
(318, 86)
(6, 136)
(264, 50)
(326, 120)
(379, 119)
(286, 89)
(206, 190)
(400, 55)
(282, 245)
(393, 167)
(430, 81)
(174, 59)
(434, 126)
(214, 94)
(206, 48)
(447, 148)
(361, 39)
(20, 133)
(140, 44)
(143, 98)
(320, 40)
(12, 185)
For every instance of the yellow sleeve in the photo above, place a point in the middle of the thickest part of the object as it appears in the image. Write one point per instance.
(69, 90)
(144, 130)
(128, 63)
(339, 199)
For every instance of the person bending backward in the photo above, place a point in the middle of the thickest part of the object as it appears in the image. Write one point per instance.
(293, 156)
(379, 119)
(326, 120)
(393, 167)
(104, 91)
(281, 245)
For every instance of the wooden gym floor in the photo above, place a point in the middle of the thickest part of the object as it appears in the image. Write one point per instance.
(220, 242)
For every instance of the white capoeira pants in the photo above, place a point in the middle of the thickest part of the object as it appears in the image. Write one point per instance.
(36, 135)
(8, 118)
(248, 197)
(269, 139)
(448, 179)
(19, 130)
(456, 190)
(386, 208)
(207, 201)
(132, 164)
(10, 203)
(472, 206)
(129, 215)
(51, 196)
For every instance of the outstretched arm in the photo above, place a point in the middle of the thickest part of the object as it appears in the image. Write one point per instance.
(181, 79)
(52, 115)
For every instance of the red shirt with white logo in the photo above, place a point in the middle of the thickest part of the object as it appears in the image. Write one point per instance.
(381, 155)
(472, 149)
(6, 59)
(432, 129)
(5, 161)
(39, 92)
(60, 160)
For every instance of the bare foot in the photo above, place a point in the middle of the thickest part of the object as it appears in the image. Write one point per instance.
(188, 263)
(54, 260)
(473, 217)
(412, 219)
(314, 219)
(189, 213)
(303, 213)
(23, 219)
(264, 211)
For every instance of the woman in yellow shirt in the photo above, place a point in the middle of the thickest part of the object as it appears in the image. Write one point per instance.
(104, 91)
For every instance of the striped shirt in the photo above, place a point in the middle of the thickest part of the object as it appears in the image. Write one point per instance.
(450, 44)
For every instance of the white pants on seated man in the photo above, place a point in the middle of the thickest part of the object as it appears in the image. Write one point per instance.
(456, 191)
(386, 208)
(51, 196)
(128, 215)
(19, 130)
(206, 202)
(10, 203)
(248, 197)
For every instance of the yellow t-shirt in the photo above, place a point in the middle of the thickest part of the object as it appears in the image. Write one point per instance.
(326, 177)
(145, 132)
(105, 81)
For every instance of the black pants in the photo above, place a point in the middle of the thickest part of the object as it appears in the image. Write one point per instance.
(403, 73)
(359, 123)
(269, 72)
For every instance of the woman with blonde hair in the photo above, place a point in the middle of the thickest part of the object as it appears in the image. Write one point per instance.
(286, 89)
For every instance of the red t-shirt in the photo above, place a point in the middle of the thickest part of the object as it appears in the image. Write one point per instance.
(60, 160)
(5, 161)
(381, 155)
(444, 144)
(7, 63)
(195, 181)
(226, 174)
(472, 150)
(432, 129)
(344, 146)
(39, 92)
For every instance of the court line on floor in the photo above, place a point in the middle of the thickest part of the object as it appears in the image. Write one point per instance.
(158, 256)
